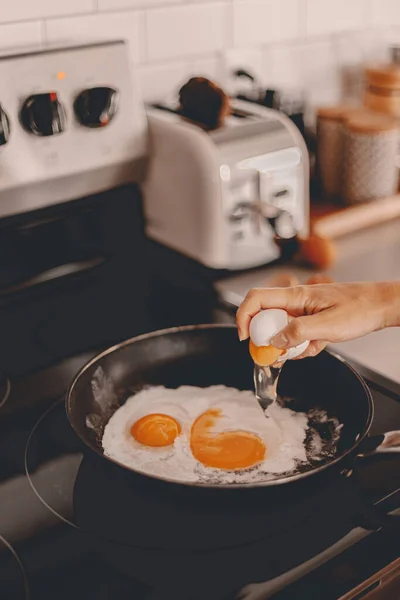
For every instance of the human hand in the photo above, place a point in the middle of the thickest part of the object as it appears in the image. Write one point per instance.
(324, 313)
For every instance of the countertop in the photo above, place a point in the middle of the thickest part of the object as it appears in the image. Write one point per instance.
(369, 255)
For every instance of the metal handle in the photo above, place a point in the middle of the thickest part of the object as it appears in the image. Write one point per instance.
(280, 220)
(385, 443)
(58, 272)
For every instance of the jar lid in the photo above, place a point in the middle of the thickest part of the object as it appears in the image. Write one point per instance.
(370, 122)
(332, 113)
(340, 112)
(385, 76)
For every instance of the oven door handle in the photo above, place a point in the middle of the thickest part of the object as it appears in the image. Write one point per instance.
(267, 589)
(59, 272)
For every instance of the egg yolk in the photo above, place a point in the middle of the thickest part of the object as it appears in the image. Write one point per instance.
(264, 355)
(227, 450)
(156, 430)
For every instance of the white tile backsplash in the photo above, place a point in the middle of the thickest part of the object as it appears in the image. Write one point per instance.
(18, 35)
(124, 4)
(304, 65)
(208, 67)
(385, 12)
(265, 21)
(308, 67)
(248, 59)
(333, 16)
(24, 10)
(128, 26)
(162, 81)
(182, 31)
(314, 44)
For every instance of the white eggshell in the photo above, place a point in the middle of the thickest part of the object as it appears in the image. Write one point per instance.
(294, 352)
(266, 324)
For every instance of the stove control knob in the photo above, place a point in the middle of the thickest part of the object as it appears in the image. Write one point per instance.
(43, 114)
(95, 107)
(4, 127)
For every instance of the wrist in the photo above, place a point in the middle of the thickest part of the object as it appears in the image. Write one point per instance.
(391, 304)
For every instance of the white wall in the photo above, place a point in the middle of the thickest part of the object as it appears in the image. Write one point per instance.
(287, 42)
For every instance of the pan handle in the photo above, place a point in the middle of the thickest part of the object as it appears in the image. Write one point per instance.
(375, 445)
(384, 443)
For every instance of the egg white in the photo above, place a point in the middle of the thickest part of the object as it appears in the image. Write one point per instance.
(239, 411)
(117, 433)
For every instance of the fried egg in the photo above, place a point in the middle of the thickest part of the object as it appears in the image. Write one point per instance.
(150, 423)
(191, 433)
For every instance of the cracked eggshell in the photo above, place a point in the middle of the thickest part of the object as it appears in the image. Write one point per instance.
(266, 324)
(294, 352)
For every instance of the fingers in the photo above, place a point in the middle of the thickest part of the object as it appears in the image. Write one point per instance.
(318, 278)
(289, 299)
(283, 280)
(325, 325)
(293, 299)
(313, 349)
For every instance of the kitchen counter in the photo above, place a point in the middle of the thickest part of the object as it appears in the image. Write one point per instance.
(369, 255)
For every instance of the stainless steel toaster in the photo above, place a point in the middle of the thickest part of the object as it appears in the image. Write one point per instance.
(223, 197)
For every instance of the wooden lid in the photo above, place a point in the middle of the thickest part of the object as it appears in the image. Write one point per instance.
(385, 76)
(370, 122)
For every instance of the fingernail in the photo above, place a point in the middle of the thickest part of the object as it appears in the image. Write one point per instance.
(280, 341)
(241, 336)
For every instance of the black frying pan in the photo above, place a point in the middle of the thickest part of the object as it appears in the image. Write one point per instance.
(208, 355)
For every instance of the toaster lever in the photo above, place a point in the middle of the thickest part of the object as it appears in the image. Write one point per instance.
(241, 211)
(280, 220)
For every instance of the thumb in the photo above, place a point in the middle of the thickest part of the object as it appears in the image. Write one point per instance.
(314, 327)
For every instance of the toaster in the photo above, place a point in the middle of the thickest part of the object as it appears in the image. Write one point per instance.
(224, 197)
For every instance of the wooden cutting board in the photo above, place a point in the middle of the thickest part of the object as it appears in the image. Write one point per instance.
(330, 221)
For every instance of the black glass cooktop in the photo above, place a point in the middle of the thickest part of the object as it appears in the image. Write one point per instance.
(76, 531)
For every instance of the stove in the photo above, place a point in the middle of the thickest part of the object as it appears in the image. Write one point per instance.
(72, 123)
(78, 275)
(57, 541)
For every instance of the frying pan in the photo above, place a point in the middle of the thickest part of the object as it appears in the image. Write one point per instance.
(206, 355)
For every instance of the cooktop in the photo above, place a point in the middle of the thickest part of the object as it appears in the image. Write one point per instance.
(68, 529)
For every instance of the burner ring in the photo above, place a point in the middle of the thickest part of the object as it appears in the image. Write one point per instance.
(5, 388)
(12, 551)
(55, 510)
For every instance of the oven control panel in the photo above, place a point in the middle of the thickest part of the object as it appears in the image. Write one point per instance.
(72, 123)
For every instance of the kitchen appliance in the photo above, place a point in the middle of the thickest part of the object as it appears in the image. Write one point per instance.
(72, 124)
(329, 542)
(80, 275)
(74, 143)
(289, 101)
(207, 355)
(222, 197)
